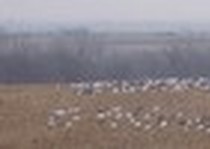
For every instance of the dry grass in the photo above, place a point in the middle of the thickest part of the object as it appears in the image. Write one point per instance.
(24, 110)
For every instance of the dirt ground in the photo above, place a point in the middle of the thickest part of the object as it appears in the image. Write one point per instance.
(24, 112)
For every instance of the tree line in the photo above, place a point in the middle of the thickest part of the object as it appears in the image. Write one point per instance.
(84, 56)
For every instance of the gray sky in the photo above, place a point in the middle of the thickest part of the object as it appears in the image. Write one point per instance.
(93, 11)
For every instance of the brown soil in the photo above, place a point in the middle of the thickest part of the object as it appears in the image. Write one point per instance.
(24, 111)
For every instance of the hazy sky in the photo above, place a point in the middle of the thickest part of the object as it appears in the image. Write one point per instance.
(91, 11)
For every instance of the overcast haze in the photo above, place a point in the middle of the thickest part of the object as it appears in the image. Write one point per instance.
(94, 11)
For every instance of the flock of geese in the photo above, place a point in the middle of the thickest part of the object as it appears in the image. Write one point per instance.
(136, 86)
(117, 117)
(148, 119)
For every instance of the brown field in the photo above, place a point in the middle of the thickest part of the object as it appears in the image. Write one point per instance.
(24, 111)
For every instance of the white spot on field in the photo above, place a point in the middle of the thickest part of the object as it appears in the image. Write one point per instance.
(68, 124)
(101, 116)
(113, 125)
(76, 118)
(137, 124)
(148, 127)
(59, 112)
(163, 124)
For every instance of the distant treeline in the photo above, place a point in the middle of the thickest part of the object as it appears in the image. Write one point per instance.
(81, 55)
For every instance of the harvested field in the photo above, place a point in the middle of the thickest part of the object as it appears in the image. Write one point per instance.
(39, 117)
